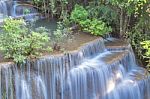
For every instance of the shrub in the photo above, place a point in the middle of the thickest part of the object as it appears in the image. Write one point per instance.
(95, 27)
(61, 35)
(78, 14)
(104, 12)
(146, 46)
(19, 42)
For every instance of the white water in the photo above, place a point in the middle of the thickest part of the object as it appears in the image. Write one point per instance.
(80, 75)
(3, 10)
(15, 9)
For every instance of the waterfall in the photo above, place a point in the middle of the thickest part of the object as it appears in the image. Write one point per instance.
(23, 10)
(16, 9)
(91, 72)
(3, 10)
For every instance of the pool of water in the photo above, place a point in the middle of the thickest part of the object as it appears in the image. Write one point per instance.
(50, 24)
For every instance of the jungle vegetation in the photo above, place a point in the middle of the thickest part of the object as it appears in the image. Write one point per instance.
(125, 19)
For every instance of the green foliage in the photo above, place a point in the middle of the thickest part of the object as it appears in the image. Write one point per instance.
(128, 12)
(108, 14)
(146, 46)
(65, 19)
(135, 38)
(139, 32)
(52, 8)
(19, 43)
(103, 12)
(78, 14)
(95, 27)
(61, 35)
(128, 5)
(93, 10)
(26, 11)
(58, 36)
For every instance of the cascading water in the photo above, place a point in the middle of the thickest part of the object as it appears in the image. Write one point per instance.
(24, 10)
(16, 9)
(92, 72)
(3, 10)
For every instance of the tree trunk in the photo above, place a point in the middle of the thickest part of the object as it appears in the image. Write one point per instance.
(121, 22)
(125, 24)
(44, 3)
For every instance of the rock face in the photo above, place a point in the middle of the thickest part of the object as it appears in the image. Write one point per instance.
(94, 71)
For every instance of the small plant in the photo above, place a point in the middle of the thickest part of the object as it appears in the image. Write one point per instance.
(19, 42)
(61, 35)
(26, 11)
(146, 46)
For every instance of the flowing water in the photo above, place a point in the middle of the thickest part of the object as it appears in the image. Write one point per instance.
(27, 11)
(16, 9)
(93, 72)
(3, 10)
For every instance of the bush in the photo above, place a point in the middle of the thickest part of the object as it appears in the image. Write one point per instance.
(103, 12)
(78, 14)
(18, 42)
(146, 46)
(61, 35)
(95, 27)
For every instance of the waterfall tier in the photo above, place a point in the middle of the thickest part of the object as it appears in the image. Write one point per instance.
(94, 71)
(16, 9)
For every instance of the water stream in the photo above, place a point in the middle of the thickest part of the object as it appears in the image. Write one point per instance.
(17, 9)
(3, 10)
(90, 73)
